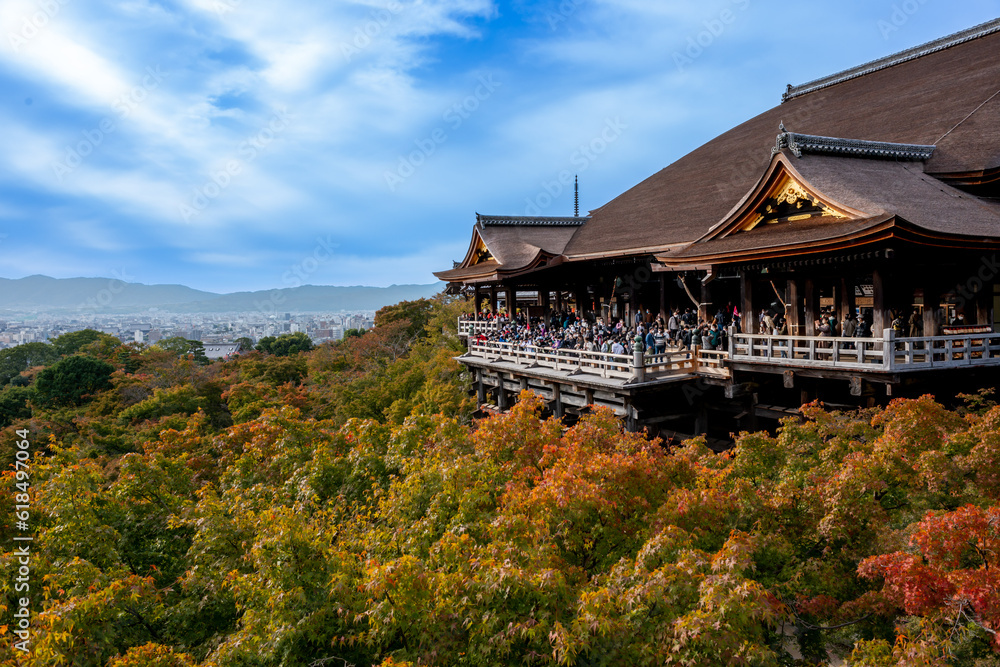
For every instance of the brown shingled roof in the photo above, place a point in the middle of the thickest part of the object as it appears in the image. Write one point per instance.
(945, 98)
(515, 244)
(882, 193)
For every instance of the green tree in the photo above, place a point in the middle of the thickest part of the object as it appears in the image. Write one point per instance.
(69, 381)
(14, 404)
(285, 344)
(15, 360)
(71, 343)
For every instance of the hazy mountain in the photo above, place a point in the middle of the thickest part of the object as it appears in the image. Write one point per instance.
(91, 294)
(104, 295)
(313, 298)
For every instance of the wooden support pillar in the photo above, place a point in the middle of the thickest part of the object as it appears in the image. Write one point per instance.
(546, 304)
(706, 302)
(511, 295)
(747, 316)
(480, 387)
(559, 303)
(502, 401)
(984, 304)
(475, 302)
(631, 415)
(811, 310)
(880, 312)
(493, 299)
(663, 297)
(792, 309)
(845, 304)
(580, 295)
(557, 405)
(701, 420)
(932, 299)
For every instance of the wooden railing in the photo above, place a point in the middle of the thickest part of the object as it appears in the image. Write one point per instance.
(605, 364)
(474, 327)
(887, 354)
(856, 353)
(946, 352)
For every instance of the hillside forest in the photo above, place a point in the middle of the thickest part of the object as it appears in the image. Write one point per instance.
(339, 506)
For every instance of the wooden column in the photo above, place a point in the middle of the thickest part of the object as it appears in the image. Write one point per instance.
(748, 318)
(475, 302)
(984, 304)
(557, 405)
(559, 303)
(792, 310)
(706, 302)
(811, 309)
(511, 301)
(493, 299)
(880, 313)
(581, 298)
(480, 388)
(546, 304)
(932, 298)
(663, 297)
(502, 401)
(845, 304)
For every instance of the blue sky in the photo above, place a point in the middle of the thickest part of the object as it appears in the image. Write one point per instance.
(237, 145)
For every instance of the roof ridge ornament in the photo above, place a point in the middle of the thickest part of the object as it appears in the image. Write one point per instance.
(530, 221)
(934, 46)
(882, 150)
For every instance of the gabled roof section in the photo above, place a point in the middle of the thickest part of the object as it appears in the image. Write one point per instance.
(781, 195)
(832, 202)
(503, 246)
(920, 51)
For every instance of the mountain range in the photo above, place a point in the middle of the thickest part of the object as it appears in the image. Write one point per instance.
(109, 296)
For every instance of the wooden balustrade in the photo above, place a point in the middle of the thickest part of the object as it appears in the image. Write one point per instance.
(604, 364)
(475, 327)
(887, 354)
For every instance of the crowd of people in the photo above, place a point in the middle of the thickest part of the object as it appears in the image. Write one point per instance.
(680, 330)
(566, 329)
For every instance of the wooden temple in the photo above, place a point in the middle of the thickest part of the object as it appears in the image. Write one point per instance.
(871, 193)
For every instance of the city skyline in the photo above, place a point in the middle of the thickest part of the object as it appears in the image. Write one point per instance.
(229, 145)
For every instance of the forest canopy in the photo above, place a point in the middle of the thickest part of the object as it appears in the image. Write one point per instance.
(339, 506)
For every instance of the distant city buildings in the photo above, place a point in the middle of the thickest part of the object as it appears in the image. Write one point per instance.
(215, 330)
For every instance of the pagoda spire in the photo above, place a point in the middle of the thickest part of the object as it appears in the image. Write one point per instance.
(576, 196)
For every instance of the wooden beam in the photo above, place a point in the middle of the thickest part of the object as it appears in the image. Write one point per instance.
(792, 308)
(748, 318)
(811, 309)
(663, 297)
(984, 304)
(845, 305)
(706, 302)
(880, 313)
(932, 300)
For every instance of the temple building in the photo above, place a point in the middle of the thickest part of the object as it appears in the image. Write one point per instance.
(872, 194)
